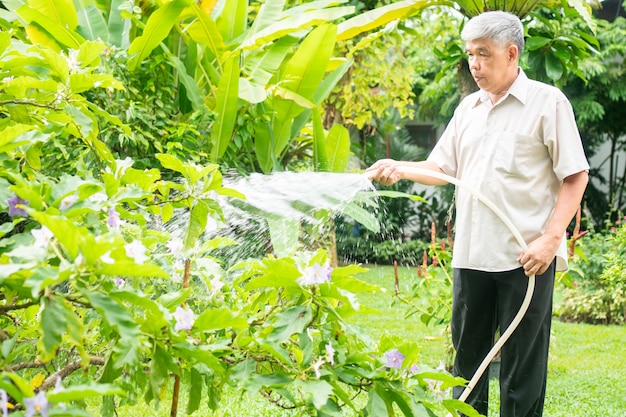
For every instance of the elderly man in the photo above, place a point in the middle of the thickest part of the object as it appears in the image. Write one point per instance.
(516, 142)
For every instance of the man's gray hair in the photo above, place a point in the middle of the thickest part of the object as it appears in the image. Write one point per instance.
(502, 28)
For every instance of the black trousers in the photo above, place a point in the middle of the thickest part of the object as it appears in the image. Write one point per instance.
(484, 301)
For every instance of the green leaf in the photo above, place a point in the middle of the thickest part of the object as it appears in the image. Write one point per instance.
(376, 405)
(80, 392)
(302, 75)
(91, 24)
(204, 31)
(264, 146)
(119, 28)
(318, 391)
(320, 159)
(233, 19)
(293, 24)
(338, 148)
(197, 224)
(225, 108)
(291, 321)
(59, 11)
(58, 31)
(554, 67)
(171, 162)
(536, 42)
(191, 87)
(220, 318)
(284, 235)
(366, 218)
(380, 16)
(64, 230)
(157, 28)
(53, 325)
(114, 314)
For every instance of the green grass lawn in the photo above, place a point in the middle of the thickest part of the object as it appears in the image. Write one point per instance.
(587, 368)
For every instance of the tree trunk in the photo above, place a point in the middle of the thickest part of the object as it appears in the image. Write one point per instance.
(466, 82)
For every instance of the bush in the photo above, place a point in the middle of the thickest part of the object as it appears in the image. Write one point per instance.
(599, 275)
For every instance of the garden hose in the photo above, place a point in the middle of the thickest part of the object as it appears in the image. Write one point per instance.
(531, 279)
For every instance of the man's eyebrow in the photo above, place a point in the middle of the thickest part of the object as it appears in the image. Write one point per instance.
(478, 49)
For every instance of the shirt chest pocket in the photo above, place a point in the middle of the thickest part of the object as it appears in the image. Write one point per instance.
(515, 154)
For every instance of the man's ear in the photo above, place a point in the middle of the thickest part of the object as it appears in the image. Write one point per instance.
(512, 52)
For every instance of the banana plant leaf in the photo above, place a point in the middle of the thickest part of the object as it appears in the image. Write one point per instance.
(379, 17)
(91, 24)
(157, 28)
(226, 108)
(302, 75)
(57, 32)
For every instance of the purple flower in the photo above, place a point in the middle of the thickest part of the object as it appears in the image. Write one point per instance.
(13, 209)
(4, 401)
(113, 221)
(37, 404)
(315, 274)
(394, 358)
(184, 319)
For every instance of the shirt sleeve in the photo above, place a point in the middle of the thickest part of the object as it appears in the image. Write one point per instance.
(564, 142)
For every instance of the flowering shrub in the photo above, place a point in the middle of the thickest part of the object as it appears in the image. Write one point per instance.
(92, 281)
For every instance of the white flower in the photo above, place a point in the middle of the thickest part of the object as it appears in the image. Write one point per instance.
(184, 319)
(316, 367)
(217, 284)
(68, 201)
(315, 274)
(330, 353)
(98, 197)
(42, 237)
(37, 404)
(175, 246)
(72, 60)
(137, 251)
(106, 258)
(122, 166)
(119, 283)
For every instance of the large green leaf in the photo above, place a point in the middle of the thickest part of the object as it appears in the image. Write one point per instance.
(197, 223)
(92, 24)
(58, 32)
(204, 31)
(260, 66)
(320, 161)
(379, 17)
(191, 87)
(225, 108)
(119, 28)
(270, 12)
(233, 19)
(337, 148)
(293, 24)
(157, 28)
(264, 146)
(302, 75)
(61, 12)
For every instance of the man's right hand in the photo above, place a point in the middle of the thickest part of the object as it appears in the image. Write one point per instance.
(385, 171)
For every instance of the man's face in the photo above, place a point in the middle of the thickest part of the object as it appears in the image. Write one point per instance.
(489, 64)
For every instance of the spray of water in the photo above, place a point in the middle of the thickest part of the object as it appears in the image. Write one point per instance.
(308, 199)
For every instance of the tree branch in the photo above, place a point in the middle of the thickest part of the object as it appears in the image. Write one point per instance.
(66, 370)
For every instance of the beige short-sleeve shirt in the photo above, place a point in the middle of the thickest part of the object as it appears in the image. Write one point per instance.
(516, 153)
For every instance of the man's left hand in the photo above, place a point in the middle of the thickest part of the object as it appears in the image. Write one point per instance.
(539, 255)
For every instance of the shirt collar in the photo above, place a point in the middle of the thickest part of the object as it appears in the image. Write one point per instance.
(519, 89)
